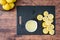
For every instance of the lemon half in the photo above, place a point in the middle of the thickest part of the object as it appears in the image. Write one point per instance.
(31, 26)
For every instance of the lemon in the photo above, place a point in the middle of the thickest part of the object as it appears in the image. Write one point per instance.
(10, 1)
(45, 13)
(51, 32)
(39, 17)
(50, 20)
(45, 18)
(12, 5)
(50, 16)
(31, 26)
(2, 2)
(6, 7)
(50, 28)
(47, 22)
(45, 31)
(44, 24)
(14, 0)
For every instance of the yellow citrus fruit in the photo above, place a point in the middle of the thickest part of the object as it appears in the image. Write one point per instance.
(44, 24)
(6, 7)
(12, 5)
(31, 26)
(45, 31)
(10, 1)
(39, 17)
(50, 20)
(50, 16)
(45, 18)
(51, 32)
(45, 13)
(2, 2)
(47, 22)
(50, 28)
(14, 0)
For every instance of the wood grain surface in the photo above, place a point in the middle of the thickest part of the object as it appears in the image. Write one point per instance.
(8, 21)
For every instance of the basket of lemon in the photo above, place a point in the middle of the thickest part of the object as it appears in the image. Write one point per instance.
(7, 4)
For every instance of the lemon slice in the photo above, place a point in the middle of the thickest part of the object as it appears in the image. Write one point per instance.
(51, 32)
(45, 31)
(44, 24)
(51, 27)
(50, 16)
(45, 13)
(39, 17)
(45, 18)
(31, 26)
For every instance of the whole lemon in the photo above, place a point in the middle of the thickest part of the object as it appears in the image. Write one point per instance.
(10, 1)
(6, 7)
(12, 5)
(3, 2)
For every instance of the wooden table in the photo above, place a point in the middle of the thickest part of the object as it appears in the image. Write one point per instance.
(8, 21)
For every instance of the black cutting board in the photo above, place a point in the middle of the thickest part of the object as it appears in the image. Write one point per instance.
(30, 13)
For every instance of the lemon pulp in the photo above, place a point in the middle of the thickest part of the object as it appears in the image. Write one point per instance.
(31, 26)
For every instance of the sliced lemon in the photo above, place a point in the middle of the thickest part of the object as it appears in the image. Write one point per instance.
(31, 26)
(44, 24)
(47, 22)
(51, 32)
(51, 27)
(45, 31)
(50, 16)
(45, 18)
(39, 17)
(50, 20)
(45, 13)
